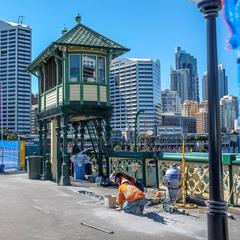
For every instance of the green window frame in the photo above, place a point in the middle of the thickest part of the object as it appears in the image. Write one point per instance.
(101, 63)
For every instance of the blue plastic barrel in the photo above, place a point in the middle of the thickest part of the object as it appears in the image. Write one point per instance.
(2, 168)
(79, 170)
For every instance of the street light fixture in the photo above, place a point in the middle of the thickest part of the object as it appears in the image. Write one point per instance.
(217, 208)
(135, 128)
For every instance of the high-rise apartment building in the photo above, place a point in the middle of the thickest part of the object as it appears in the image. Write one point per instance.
(202, 122)
(135, 84)
(180, 80)
(189, 108)
(203, 106)
(34, 120)
(204, 87)
(228, 112)
(170, 101)
(222, 82)
(185, 60)
(34, 99)
(15, 56)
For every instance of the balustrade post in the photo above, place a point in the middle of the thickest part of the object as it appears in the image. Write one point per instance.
(46, 160)
(65, 179)
(58, 133)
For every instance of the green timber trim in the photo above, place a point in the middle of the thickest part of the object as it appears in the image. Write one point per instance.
(44, 101)
(65, 78)
(134, 155)
(98, 87)
(109, 59)
(81, 81)
(39, 90)
(76, 109)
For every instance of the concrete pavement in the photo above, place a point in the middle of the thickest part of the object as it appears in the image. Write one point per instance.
(42, 210)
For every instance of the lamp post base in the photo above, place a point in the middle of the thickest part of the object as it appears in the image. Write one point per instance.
(65, 179)
(217, 221)
(47, 175)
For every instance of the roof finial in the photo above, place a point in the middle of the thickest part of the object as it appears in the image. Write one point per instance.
(78, 18)
(64, 30)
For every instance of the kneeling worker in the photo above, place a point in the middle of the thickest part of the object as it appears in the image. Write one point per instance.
(130, 198)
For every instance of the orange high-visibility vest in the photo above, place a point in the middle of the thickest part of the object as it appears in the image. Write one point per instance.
(129, 193)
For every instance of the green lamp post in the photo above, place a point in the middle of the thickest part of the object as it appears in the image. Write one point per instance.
(135, 128)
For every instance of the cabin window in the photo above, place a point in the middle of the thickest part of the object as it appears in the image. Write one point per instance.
(74, 68)
(102, 70)
(89, 68)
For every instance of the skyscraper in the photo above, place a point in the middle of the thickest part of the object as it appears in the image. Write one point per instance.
(180, 80)
(186, 61)
(171, 102)
(204, 87)
(222, 80)
(135, 84)
(15, 56)
(228, 112)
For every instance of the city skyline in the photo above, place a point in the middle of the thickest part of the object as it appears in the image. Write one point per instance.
(163, 31)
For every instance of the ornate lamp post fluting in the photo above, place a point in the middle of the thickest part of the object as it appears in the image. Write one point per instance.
(217, 217)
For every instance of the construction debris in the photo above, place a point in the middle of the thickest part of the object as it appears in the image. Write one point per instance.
(92, 194)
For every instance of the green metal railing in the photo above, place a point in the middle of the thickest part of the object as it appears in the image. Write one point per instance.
(150, 167)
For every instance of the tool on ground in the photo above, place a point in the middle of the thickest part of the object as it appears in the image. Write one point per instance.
(171, 209)
(97, 228)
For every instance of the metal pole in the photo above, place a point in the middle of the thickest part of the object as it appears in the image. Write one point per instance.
(82, 131)
(217, 217)
(184, 195)
(238, 73)
(65, 179)
(135, 132)
(100, 142)
(59, 155)
(135, 128)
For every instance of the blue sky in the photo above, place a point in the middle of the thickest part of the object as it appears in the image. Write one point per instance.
(150, 28)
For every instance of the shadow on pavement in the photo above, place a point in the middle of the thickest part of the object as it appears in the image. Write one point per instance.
(155, 217)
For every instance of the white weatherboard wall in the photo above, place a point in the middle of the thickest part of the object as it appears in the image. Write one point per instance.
(90, 92)
(74, 92)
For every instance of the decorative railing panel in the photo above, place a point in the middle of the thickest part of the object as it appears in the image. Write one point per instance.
(133, 167)
(152, 171)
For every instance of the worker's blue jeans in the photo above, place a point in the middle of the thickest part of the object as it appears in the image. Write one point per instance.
(134, 207)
